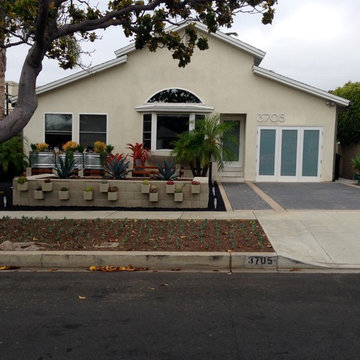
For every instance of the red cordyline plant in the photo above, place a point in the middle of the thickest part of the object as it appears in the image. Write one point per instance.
(139, 152)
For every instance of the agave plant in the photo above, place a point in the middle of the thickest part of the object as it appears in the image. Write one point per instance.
(167, 172)
(117, 166)
(66, 166)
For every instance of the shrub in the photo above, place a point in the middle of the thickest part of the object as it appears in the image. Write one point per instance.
(22, 180)
(167, 172)
(117, 166)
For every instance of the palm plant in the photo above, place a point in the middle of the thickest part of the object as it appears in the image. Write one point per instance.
(117, 166)
(66, 166)
(200, 146)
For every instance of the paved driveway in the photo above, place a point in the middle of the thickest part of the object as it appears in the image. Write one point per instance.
(328, 196)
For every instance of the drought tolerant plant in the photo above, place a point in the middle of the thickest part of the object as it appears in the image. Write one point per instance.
(117, 166)
(22, 180)
(139, 153)
(167, 172)
(199, 146)
(70, 146)
(66, 166)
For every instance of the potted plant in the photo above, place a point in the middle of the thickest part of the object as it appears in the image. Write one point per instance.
(145, 187)
(104, 186)
(88, 193)
(153, 194)
(170, 187)
(139, 153)
(64, 193)
(22, 183)
(195, 187)
(178, 195)
(38, 193)
(113, 193)
(47, 185)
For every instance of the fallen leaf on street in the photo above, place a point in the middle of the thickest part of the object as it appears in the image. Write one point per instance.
(109, 268)
(82, 297)
(8, 267)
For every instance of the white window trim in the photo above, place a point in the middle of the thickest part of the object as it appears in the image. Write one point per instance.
(58, 113)
(278, 143)
(92, 113)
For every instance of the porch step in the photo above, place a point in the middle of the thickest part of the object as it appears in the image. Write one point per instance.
(231, 176)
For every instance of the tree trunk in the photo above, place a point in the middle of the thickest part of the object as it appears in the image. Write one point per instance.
(2, 82)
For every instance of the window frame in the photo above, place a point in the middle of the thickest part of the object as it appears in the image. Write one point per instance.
(91, 132)
(58, 113)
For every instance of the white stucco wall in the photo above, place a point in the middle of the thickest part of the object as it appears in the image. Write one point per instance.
(221, 76)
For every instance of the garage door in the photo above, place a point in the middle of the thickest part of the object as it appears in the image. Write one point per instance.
(289, 153)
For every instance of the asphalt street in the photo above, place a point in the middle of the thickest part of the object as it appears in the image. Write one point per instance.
(94, 316)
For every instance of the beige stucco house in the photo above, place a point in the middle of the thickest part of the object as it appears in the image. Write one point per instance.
(286, 129)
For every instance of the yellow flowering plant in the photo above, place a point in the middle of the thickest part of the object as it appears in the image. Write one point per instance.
(70, 146)
(99, 146)
(42, 146)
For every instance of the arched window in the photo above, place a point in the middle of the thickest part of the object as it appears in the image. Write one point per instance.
(174, 96)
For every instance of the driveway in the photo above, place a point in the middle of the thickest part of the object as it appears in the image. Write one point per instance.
(294, 196)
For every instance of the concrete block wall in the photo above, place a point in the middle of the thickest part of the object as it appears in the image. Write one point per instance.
(129, 194)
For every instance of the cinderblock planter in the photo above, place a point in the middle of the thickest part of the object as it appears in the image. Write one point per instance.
(64, 195)
(153, 197)
(47, 186)
(145, 188)
(88, 195)
(112, 195)
(23, 187)
(179, 197)
(104, 187)
(39, 195)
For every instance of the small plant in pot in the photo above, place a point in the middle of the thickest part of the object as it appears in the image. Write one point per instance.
(22, 183)
(104, 186)
(145, 187)
(154, 194)
(113, 193)
(195, 187)
(64, 193)
(179, 194)
(88, 193)
(170, 187)
(38, 193)
(47, 185)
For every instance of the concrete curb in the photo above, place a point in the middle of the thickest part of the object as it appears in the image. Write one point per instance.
(195, 261)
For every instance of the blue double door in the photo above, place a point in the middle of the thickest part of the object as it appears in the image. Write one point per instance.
(289, 154)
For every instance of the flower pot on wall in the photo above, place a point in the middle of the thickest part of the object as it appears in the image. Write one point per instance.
(88, 195)
(195, 189)
(64, 195)
(23, 187)
(145, 188)
(39, 195)
(47, 186)
(179, 197)
(104, 187)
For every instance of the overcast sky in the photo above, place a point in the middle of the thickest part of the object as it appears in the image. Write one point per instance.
(313, 41)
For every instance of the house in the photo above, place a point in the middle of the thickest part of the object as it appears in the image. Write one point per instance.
(285, 128)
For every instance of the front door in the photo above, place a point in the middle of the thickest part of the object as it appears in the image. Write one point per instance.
(232, 154)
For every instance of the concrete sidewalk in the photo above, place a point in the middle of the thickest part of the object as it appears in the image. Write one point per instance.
(301, 238)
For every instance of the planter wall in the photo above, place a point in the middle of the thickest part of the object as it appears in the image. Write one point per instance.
(128, 195)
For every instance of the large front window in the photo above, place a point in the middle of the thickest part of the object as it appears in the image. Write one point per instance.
(58, 129)
(169, 127)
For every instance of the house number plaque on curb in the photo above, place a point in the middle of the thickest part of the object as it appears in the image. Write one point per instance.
(271, 118)
(261, 260)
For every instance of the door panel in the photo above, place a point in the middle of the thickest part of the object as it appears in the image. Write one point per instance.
(310, 153)
(267, 152)
(288, 152)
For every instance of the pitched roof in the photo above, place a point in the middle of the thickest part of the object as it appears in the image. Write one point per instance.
(121, 57)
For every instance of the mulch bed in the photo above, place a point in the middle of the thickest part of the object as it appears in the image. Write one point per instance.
(137, 235)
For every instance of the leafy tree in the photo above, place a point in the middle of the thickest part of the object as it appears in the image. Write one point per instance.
(348, 129)
(199, 146)
(54, 28)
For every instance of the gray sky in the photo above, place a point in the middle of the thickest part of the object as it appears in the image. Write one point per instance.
(313, 41)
